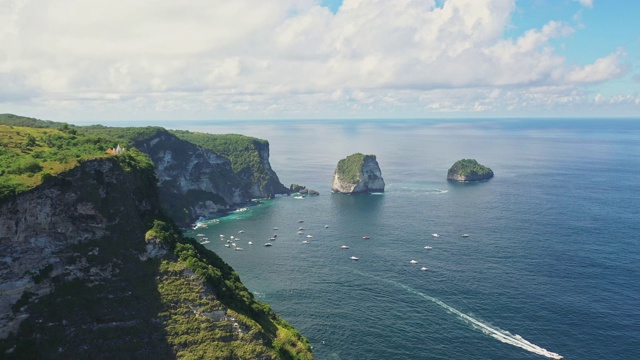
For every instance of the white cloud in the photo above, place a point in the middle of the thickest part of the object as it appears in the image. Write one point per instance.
(587, 3)
(293, 58)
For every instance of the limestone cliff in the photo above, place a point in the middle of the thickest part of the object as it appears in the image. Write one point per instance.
(80, 279)
(358, 173)
(468, 170)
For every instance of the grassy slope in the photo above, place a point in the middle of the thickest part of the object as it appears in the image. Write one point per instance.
(350, 167)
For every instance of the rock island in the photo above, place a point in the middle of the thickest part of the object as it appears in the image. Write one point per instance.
(356, 174)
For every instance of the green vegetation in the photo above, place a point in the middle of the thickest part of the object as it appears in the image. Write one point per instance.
(28, 155)
(125, 136)
(230, 292)
(242, 151)
(350, 167)
(469, 168)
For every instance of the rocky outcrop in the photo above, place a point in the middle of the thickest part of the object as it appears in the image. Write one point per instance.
(195, 181)
(468, 170)
(358, 173)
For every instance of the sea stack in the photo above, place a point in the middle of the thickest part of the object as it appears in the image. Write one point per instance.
(469, 170)
(358, 174)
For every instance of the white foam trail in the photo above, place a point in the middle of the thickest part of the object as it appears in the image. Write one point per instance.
(495, 332)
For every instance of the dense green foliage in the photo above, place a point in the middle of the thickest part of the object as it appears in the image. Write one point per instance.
(350, 167)
(125, 136)
(30, 155)
(231, 293)
(469, 167)
(242, 151)
(16, 120)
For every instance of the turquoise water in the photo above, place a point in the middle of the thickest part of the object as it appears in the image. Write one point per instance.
(551, 266)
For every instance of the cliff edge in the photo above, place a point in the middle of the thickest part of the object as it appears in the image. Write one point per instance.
(358, 173)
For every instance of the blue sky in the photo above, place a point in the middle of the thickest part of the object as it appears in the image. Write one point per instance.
(73, 60)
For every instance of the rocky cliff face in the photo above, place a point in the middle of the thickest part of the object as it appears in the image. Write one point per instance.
(42, 230)
(196, 182)
(358, 174)
(79, 277)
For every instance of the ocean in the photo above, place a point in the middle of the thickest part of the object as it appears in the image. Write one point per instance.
(551, 266)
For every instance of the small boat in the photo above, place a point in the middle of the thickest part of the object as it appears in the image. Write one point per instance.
(205, 242)
(465, 235)
(238, 249)
(227, 245)
(300, 228)
(231, 237)
(354, 258)
(250, 243)
(200, 235)
(300, 221)
(233, 244)
(240, 232)
(435, 235)
(300, 232)
(424, 268)
(275, 235)
(366, 237)
(326, 226)
(268, 244)
(272, 239)
(305, 241)
(344, 247)
(275, 228)
(299, 197)
(413, 262)
(229, 241)
(309, 236)
(428, 247)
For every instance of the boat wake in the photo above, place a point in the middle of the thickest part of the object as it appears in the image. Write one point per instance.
(493, 331)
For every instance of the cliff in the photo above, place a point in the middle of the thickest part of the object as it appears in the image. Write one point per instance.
(91, 267)
(468, 170)
(201, 174)
(358, 173)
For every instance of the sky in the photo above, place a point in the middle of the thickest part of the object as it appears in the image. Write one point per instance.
(144, 60)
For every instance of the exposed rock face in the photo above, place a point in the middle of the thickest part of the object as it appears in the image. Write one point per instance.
(196, 182)
(40, 230)
(358, 173)
(469, 170)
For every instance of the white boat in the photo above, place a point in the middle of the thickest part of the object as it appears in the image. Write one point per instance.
(300, 228)
(238, 249)
(413, 262)
(424, 268)
(299, 197)
(250, 243)
(300, 221)
(222, 236)
(300, 232)
(465, 235)
(366, 237)
(205, 242)
(428, 247)
(435, 235)
(275, 228)
(268, 244)
(305, 241)
(240, 232)
(231, 237)
(272, 238)
(229, 241)
(326, 226)
(233, 244)
(309, 236)
(344, 247)
(354, 258)
(200, 235)
(227, 245)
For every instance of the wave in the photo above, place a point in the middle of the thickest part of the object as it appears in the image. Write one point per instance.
(493, 331)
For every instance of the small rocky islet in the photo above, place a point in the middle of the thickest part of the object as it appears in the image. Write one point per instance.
(358, 174)
(466, 170)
